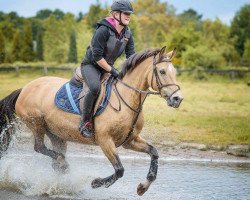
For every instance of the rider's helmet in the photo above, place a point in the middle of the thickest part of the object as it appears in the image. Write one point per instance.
(122, 5)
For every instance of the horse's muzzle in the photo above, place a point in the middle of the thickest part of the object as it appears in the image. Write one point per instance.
(174, 101)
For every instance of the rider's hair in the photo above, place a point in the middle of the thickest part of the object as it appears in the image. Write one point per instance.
(112, 13)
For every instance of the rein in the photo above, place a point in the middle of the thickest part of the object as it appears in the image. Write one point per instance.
(145, 92)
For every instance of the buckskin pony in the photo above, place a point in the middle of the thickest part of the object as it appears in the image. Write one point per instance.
(119, 125)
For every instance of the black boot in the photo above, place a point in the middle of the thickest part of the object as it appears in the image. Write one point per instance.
(86, 128)
(86, 123)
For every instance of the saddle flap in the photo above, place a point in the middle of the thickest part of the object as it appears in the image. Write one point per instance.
(70, 97)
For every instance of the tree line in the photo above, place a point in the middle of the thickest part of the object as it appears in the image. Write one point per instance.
(53, 36)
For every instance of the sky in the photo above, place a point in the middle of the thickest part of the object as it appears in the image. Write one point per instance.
(210, 9)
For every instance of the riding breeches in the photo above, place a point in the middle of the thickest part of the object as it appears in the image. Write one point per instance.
(92, 76)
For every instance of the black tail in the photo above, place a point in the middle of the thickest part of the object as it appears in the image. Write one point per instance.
(7, 115)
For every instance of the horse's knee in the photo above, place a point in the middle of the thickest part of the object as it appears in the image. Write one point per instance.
(119, 172)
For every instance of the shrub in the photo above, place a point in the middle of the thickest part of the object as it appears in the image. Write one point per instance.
(201, 56)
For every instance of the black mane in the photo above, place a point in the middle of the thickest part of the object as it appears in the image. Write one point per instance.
(136, 59)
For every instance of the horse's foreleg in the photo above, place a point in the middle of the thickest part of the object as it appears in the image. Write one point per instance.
(109, 149)
(140, 145)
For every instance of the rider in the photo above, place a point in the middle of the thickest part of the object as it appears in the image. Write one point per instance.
(110, 39)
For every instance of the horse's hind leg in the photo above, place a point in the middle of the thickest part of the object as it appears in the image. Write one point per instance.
(39, 130)
(60, 146)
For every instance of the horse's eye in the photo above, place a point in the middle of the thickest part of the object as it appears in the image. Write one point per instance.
(162, 72)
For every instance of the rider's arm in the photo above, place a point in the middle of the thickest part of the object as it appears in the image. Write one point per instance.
(98, 44)
(103, 64)
(130, 47)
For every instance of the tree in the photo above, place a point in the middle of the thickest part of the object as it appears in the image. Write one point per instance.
(58, 14)
(240, 28)
(183, 37)
(27, 52)
(72, 55)
(95, 14)
(154, 19)
(56, 38)
(39, 47)
(79, 17)
(246, 54)
(16, 47)
(43, 14)
(216, 36)
(2, 47)
(190, 15)
(201, 56)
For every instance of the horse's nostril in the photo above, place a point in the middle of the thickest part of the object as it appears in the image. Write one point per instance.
(177, 99)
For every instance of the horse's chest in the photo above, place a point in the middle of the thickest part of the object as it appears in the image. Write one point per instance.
(119, 131)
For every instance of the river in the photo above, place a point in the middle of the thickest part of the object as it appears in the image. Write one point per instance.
(27, 175)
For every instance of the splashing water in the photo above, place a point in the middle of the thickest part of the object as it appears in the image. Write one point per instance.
(24, 171)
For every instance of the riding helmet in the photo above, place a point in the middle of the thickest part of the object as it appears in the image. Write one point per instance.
(123, 6)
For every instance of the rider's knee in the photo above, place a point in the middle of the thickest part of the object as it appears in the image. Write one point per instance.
(95, 90)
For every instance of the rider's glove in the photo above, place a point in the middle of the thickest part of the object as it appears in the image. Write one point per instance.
(114, 72)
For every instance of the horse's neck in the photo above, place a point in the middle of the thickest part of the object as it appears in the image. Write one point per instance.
(138, 79)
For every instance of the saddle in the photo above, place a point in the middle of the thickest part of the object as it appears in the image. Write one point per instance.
(70, 97)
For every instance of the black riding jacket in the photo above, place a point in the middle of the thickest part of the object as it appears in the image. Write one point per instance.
(108, 44)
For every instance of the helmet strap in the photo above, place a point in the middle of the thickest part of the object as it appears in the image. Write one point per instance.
(120, 20)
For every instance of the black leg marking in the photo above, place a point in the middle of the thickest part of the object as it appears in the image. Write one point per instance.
(110, 180)
(44, 150)
(154, 164)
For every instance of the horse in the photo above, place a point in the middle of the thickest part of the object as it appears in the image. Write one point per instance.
(34, 105)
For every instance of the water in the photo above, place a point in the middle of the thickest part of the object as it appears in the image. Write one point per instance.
(26, 175)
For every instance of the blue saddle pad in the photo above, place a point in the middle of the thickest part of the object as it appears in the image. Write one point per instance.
(67, 98)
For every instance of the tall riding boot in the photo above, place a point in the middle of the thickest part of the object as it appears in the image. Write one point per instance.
(86, 124)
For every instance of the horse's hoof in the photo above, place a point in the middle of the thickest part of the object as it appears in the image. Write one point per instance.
(96, 183)
(61, 167)
(141, 189)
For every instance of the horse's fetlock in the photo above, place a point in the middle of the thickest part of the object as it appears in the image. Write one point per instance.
(151, 177)
(120, 172)
(155, 157)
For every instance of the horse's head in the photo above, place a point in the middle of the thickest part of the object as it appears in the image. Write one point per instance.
(163, 78)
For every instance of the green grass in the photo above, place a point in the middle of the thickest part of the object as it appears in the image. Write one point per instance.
(211, 113)
(215, 111)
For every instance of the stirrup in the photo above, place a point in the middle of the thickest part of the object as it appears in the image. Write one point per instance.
(86, 129)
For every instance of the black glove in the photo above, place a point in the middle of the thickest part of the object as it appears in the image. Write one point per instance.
(114, 72)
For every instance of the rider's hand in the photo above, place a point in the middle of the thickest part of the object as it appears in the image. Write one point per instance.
(114, 72)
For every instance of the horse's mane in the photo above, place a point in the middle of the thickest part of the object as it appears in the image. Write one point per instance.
(134, 60)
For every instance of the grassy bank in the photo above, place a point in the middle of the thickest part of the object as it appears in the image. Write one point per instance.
(213, 111)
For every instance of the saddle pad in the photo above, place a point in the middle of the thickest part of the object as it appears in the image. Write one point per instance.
(67, 100)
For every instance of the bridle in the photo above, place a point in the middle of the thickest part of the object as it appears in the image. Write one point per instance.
(143, 92)
(158, 80)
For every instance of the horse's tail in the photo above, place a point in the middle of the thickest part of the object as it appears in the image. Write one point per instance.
(7, 115)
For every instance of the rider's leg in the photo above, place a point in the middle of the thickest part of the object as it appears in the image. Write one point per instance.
(92, 77)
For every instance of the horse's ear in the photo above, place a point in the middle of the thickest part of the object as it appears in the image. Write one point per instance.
(162, 52)
(171, 54)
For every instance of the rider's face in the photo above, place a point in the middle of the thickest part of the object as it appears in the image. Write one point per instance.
(125, 18)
